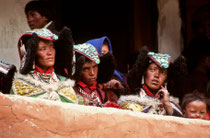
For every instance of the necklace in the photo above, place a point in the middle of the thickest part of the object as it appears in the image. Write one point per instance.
(47, 78)
(92, 98)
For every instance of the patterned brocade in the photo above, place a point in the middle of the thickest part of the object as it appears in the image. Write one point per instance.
(25, 89)
(27, 85)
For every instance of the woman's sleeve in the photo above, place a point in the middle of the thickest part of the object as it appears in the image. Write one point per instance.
(176, 110)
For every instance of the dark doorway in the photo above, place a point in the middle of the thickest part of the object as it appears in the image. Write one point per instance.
(128, 24)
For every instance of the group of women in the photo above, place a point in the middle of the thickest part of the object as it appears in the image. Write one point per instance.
(48, 65)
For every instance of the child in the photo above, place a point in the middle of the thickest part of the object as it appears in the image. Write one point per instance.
(194, 105)
(87, 88)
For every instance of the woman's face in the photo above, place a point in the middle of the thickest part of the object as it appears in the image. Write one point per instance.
(89, 72)
(45, 54)
(195, 109)
(36, 20)
(155, 77)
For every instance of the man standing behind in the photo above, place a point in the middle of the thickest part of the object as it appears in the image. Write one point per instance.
(39, 15)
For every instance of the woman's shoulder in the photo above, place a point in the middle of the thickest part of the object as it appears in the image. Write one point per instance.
(61, 78)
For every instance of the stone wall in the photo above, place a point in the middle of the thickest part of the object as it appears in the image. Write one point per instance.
(31, 117)
(13, 23)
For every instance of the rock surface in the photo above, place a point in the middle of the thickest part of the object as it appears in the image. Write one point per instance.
(31, 117)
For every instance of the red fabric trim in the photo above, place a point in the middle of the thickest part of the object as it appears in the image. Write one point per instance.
(148, 92)
(83, 85)
(50, 69)
(111, 104)
(153, 59)
(169, 61)
(66, 71)
(208, 115)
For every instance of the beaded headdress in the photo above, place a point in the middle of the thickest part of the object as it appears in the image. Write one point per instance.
(41, 33)
(162, 60)
(27, 49)
(88, 51)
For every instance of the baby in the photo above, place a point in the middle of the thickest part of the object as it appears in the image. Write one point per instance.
(194, 105)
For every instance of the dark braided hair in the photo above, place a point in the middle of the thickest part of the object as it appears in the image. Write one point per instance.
(135, 74)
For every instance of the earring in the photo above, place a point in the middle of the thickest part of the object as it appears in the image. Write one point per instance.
(166, 85)
(142, 80)
(33, 65)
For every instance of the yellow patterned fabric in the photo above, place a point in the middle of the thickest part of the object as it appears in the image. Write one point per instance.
(132, 106)
(24, 89)
(28, 85)
(68, 93)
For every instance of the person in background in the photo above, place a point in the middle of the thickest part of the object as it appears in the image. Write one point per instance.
(194, 105)
(39, 15)
(150, 81)
(36, 77)
(7, 72)
(103, 46)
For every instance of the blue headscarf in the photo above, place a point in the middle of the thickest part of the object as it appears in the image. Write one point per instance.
(98, 43)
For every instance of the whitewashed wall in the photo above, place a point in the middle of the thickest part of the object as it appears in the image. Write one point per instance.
(169, 28)
(12, 24)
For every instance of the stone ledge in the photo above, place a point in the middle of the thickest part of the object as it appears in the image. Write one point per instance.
(31, 117)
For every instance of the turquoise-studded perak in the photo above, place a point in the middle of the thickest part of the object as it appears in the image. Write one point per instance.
(42, 33)
(89, 51)
(162, 60)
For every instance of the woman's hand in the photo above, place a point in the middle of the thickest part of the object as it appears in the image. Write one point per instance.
(163, 96)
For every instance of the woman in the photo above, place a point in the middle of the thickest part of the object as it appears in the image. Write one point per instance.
(88, 88)
(39, 15)
(148, 80)
(37, 77)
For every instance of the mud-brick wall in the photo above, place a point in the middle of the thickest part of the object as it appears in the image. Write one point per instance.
(31, 117)
(12, 24)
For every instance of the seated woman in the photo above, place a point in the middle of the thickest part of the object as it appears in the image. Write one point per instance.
(194, 105)
(86, 74)
(37, 77)
(114, 86)
(88, 91)
(147, 80)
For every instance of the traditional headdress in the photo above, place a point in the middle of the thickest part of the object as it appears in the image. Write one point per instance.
(88, 51)
(27, 46)
(84, 52)
(64, 53)
(106, 64)
(162, 60)
(177, 70)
